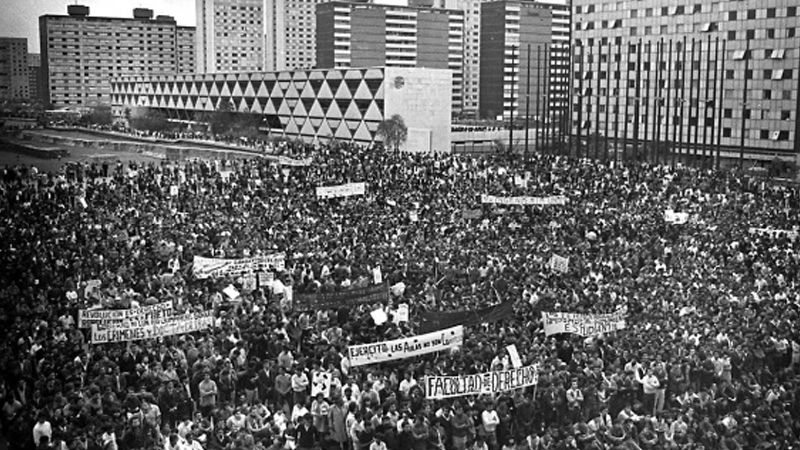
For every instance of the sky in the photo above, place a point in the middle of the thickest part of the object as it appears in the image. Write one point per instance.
(20, 18)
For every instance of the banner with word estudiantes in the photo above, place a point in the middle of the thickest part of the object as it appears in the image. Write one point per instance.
(329, 300)
(438, 387)
(582, 324)
(524, 200)
(774, 233)
(105, 318)
(182, 324)
(342, 190)
(378, 352)
(203, 267)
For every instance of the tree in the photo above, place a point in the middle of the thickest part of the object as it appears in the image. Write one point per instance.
(149, 120)
(393, 131)
(99, 115)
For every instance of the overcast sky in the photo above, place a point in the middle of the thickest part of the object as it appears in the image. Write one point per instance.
(20, 18)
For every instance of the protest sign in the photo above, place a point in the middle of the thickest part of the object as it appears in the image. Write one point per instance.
(524, 200)
(377, 275)
(378, 352)
(187, 323)
(286, 161)
(558, 263)
(774, 233)
(249, 282)
(674, 218)
(342, 190)
(379, 316)
(173, 191)
(436, 320)
(328, 300)
(203, 267)
(439, 386)
(582, 324)
(104, 318)
(231, 292)
(516, 361)
(401, 314)
(320, 384)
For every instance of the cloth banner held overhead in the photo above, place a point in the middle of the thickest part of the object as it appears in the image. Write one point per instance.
(286, 161)
(436, 320)
(678, 218)
(558, 263)
(105, 318)
(582, 324)
(342, 190)
(183, 324)
(328, 300)
(378, 352)
(438, 387)
(203, 267)
(524, 200)
(774, 233)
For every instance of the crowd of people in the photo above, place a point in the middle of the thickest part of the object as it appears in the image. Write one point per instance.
(709, 358)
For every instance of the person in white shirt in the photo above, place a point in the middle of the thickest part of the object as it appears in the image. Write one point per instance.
(651, 385)
(489, 421)
(42, 428)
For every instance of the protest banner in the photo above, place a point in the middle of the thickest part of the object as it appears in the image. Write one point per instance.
(436, 320)
(524, 200)
(320, 384)
(516, 361)
(582, 324)
(328, 300)
(378, 352)
(183, 324)
(674, 218)
(448, 386)
(105, 318)
(286, 161)
(203, 267)
(342, 190)
(558, 263)
(774, 233)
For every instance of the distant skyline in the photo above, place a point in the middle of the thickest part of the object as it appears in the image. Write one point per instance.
(21, 18)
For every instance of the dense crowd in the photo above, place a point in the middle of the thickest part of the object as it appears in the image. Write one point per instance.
(709, 358)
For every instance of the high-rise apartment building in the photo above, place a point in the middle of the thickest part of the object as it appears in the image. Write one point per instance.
(290, 30)
(230, 36)
(186, 38)
(35, 82)
(351, 34)
(14, 82)
(691, 74)
(81, 53)
(508, 29)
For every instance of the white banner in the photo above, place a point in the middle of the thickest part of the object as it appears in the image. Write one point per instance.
(582, 324)
(516, 361)
(187, 323)
(105, 318)
(320, 384)
(775, 233)
(540, 201)
(558, 263)
(342, 190)
(217, 267)
(377, 352)
(286, 161)
(672, 217)
(438, 387)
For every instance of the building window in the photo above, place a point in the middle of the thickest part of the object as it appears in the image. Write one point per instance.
(791, 11)
(751, 14)
(732, 35)
(770, 13)
(633, 31)
(731, 15)
(777, 53)
(767, 94)
(751, 34)
(726, 132)
(786, 115)
(763, 134)
(728, 113)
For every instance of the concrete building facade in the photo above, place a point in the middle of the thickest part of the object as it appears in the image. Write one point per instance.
(508, 27)
(35, 82)
(81, 53)
(313, 105)
(290, 29)
(352, 34)
(14, 72)
(744, 53)
(229, 36)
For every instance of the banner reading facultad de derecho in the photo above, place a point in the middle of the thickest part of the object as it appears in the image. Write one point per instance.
(342, 190)
(325, 300)
(105, 318)
(582, 324)
(183, 324)
(438, 387)
(524, 201)
(203, 267)
(363, 354)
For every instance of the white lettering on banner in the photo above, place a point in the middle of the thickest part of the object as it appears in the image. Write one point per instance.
(286, 161)
(672, 217)
(342, 190)
(105, 318)
(438, 387)
(558, 263)
(422, 344)
(203, 267)
(582, 324)
(524, 200)
(775, 233)
(187, 323)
